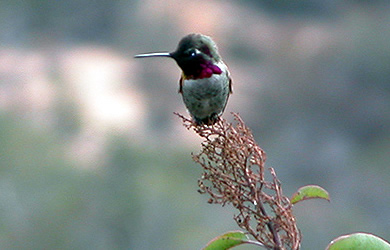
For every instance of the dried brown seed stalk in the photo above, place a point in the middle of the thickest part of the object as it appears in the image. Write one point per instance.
(234, 173)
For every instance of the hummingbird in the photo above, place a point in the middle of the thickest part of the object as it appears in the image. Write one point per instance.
(205, 82)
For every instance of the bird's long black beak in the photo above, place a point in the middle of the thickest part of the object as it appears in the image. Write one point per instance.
(154, 54)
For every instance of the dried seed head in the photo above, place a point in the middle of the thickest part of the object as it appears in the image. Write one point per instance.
(234, 173)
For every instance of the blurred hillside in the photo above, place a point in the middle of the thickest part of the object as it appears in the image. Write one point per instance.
(91, 156)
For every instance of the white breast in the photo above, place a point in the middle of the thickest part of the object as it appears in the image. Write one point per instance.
(207, 97)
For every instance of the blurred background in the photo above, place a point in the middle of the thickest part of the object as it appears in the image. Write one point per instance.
(92, 157)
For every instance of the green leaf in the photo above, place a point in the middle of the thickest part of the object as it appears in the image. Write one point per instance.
(227, 241)
(358, 241)
(309, 192)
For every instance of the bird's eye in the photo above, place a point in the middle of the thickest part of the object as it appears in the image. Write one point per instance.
(191, 53)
